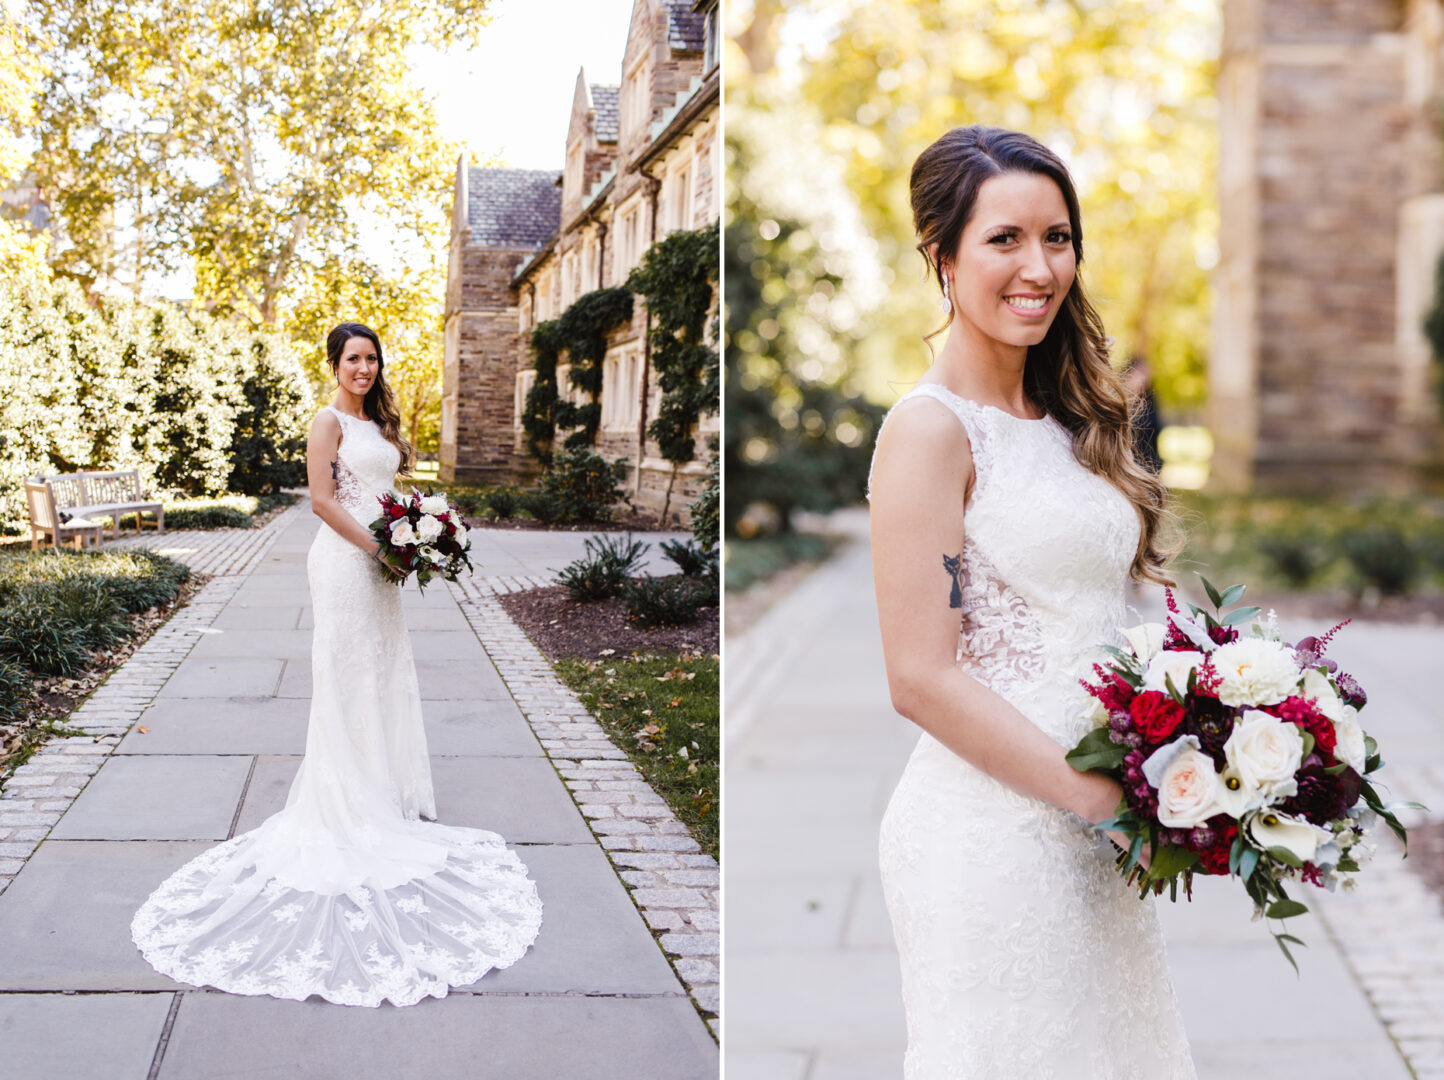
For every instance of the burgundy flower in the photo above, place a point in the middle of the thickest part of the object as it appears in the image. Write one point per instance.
(1155, 715)
(1222, 635)
(1112, 692)
(1320, 797)
(1352, 693)
(1214, 860)
(1305, 713)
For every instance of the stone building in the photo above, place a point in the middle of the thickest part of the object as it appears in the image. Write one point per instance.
(642, 158)
(1332, 222)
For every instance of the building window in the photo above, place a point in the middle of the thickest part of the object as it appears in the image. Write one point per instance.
(525, 380)
(629, 240)
(680, 203)
(636, 110)
(589, 263)
(621, 387)
(710, 49)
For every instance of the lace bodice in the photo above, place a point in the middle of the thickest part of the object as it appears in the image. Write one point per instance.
(1046, 549)
(366, 465)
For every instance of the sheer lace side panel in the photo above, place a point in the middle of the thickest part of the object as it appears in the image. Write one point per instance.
(1001, 640)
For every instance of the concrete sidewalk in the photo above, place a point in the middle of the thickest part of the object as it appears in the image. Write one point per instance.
(814, 750)
(595, 997)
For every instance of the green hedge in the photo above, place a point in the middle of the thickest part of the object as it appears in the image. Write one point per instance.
(199, 405)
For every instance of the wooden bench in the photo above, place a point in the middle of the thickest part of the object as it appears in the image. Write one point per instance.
(45, 523)
(90, 495)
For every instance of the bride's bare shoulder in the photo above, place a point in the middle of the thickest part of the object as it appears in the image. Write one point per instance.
(325, 424)
(922, 430)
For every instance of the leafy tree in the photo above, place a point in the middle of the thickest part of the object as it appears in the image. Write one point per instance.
(258, 142)
(1122, 90)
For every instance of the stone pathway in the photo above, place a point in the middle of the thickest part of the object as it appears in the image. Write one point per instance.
(95, 823)
(813, 752)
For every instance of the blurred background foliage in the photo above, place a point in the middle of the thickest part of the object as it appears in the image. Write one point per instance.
(830, 101)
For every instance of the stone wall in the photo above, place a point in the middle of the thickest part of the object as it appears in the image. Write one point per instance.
(1309, 391)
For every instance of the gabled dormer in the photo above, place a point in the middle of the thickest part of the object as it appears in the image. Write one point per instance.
(666, 51)
(591, 142)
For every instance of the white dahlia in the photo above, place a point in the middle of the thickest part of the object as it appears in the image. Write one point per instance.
(1253, 671)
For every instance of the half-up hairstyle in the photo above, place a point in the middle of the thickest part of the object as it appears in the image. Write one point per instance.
(1067, 374)
(380, 403)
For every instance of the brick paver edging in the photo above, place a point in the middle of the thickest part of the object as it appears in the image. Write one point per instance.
(672, 882)
(39, 792)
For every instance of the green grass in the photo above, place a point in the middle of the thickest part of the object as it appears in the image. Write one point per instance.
(663, 712)
(751, 561)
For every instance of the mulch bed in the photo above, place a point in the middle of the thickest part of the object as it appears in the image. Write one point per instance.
(562, 627)
(620, 523)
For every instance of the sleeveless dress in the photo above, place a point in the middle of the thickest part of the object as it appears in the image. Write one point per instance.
(345, 893)
(1023, 953)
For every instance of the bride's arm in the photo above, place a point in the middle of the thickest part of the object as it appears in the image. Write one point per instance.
(321, 464)
(921, 475)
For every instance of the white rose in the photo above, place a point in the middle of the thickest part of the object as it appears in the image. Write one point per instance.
(1171, 665)
(1253, 671)
(1187, 785)
(1349, 739)
(1095, 714)
(1295, 835)
(428, 528)
(1265, 753)
(434, 504)
(1145, 640)
(1318, 687)
(402, 533)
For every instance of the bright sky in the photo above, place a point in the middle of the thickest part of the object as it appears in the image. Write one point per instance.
(511, 97)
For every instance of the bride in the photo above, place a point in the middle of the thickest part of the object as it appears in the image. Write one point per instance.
(1008, 513)
(346, 893)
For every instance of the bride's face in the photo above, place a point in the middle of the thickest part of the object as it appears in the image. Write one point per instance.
(1015, 261)
(359, 366)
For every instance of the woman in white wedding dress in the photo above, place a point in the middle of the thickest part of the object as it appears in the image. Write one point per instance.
(1008, 513)
(346, 893)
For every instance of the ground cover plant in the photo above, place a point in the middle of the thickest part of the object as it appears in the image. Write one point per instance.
(66, 620)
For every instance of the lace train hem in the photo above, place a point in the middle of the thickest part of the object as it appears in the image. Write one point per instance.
(219, 921)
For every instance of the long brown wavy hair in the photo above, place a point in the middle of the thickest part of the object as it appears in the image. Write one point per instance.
(379, 403)
(1068, 373)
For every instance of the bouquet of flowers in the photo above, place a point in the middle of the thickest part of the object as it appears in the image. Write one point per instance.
(1239, 754)
(422, 534)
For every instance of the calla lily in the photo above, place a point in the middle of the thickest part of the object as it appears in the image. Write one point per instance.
(1237, 795)
(1271, 829)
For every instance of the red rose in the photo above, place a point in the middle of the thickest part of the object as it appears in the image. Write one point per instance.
(1214, 860)
(395, 510)
(1156, 716)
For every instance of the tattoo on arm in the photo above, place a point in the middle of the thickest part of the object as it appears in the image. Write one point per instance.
(335, 471)
(953, 564)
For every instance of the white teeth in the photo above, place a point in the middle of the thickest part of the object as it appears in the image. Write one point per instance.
(1022, 302)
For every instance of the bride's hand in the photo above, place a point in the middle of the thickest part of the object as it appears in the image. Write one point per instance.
(1102, 804)
(392, 570)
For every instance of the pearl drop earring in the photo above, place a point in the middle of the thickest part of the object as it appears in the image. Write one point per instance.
(945, 303)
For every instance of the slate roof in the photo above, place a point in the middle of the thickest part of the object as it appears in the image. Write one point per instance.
(513, 207)
(686, 29)
(606, 100)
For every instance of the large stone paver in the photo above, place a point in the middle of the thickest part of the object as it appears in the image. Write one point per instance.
(594, 997)
(814, 749)
(526, 1038)
(80, 1036)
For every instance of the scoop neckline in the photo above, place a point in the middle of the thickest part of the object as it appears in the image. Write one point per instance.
(985, 405)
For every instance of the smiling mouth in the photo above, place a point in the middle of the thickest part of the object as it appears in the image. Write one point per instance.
(1024, 305)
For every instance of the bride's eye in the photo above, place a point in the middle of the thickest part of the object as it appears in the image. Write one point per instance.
(1060, 236)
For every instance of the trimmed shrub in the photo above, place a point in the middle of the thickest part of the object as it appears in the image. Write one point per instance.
(1295, 555)
(541, 505)
(662, 601)
(504, 501)
(690, 558)
(268, 443)
(1383, 557)
(604, 572)
(584, 485)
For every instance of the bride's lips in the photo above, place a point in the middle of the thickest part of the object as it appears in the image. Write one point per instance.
(1029, 312)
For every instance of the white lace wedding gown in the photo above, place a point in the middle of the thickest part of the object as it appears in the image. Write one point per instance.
(345, 893)
(1023, 953)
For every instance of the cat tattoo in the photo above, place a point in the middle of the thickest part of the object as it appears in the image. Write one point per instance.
(335, 471)
(953, 564)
